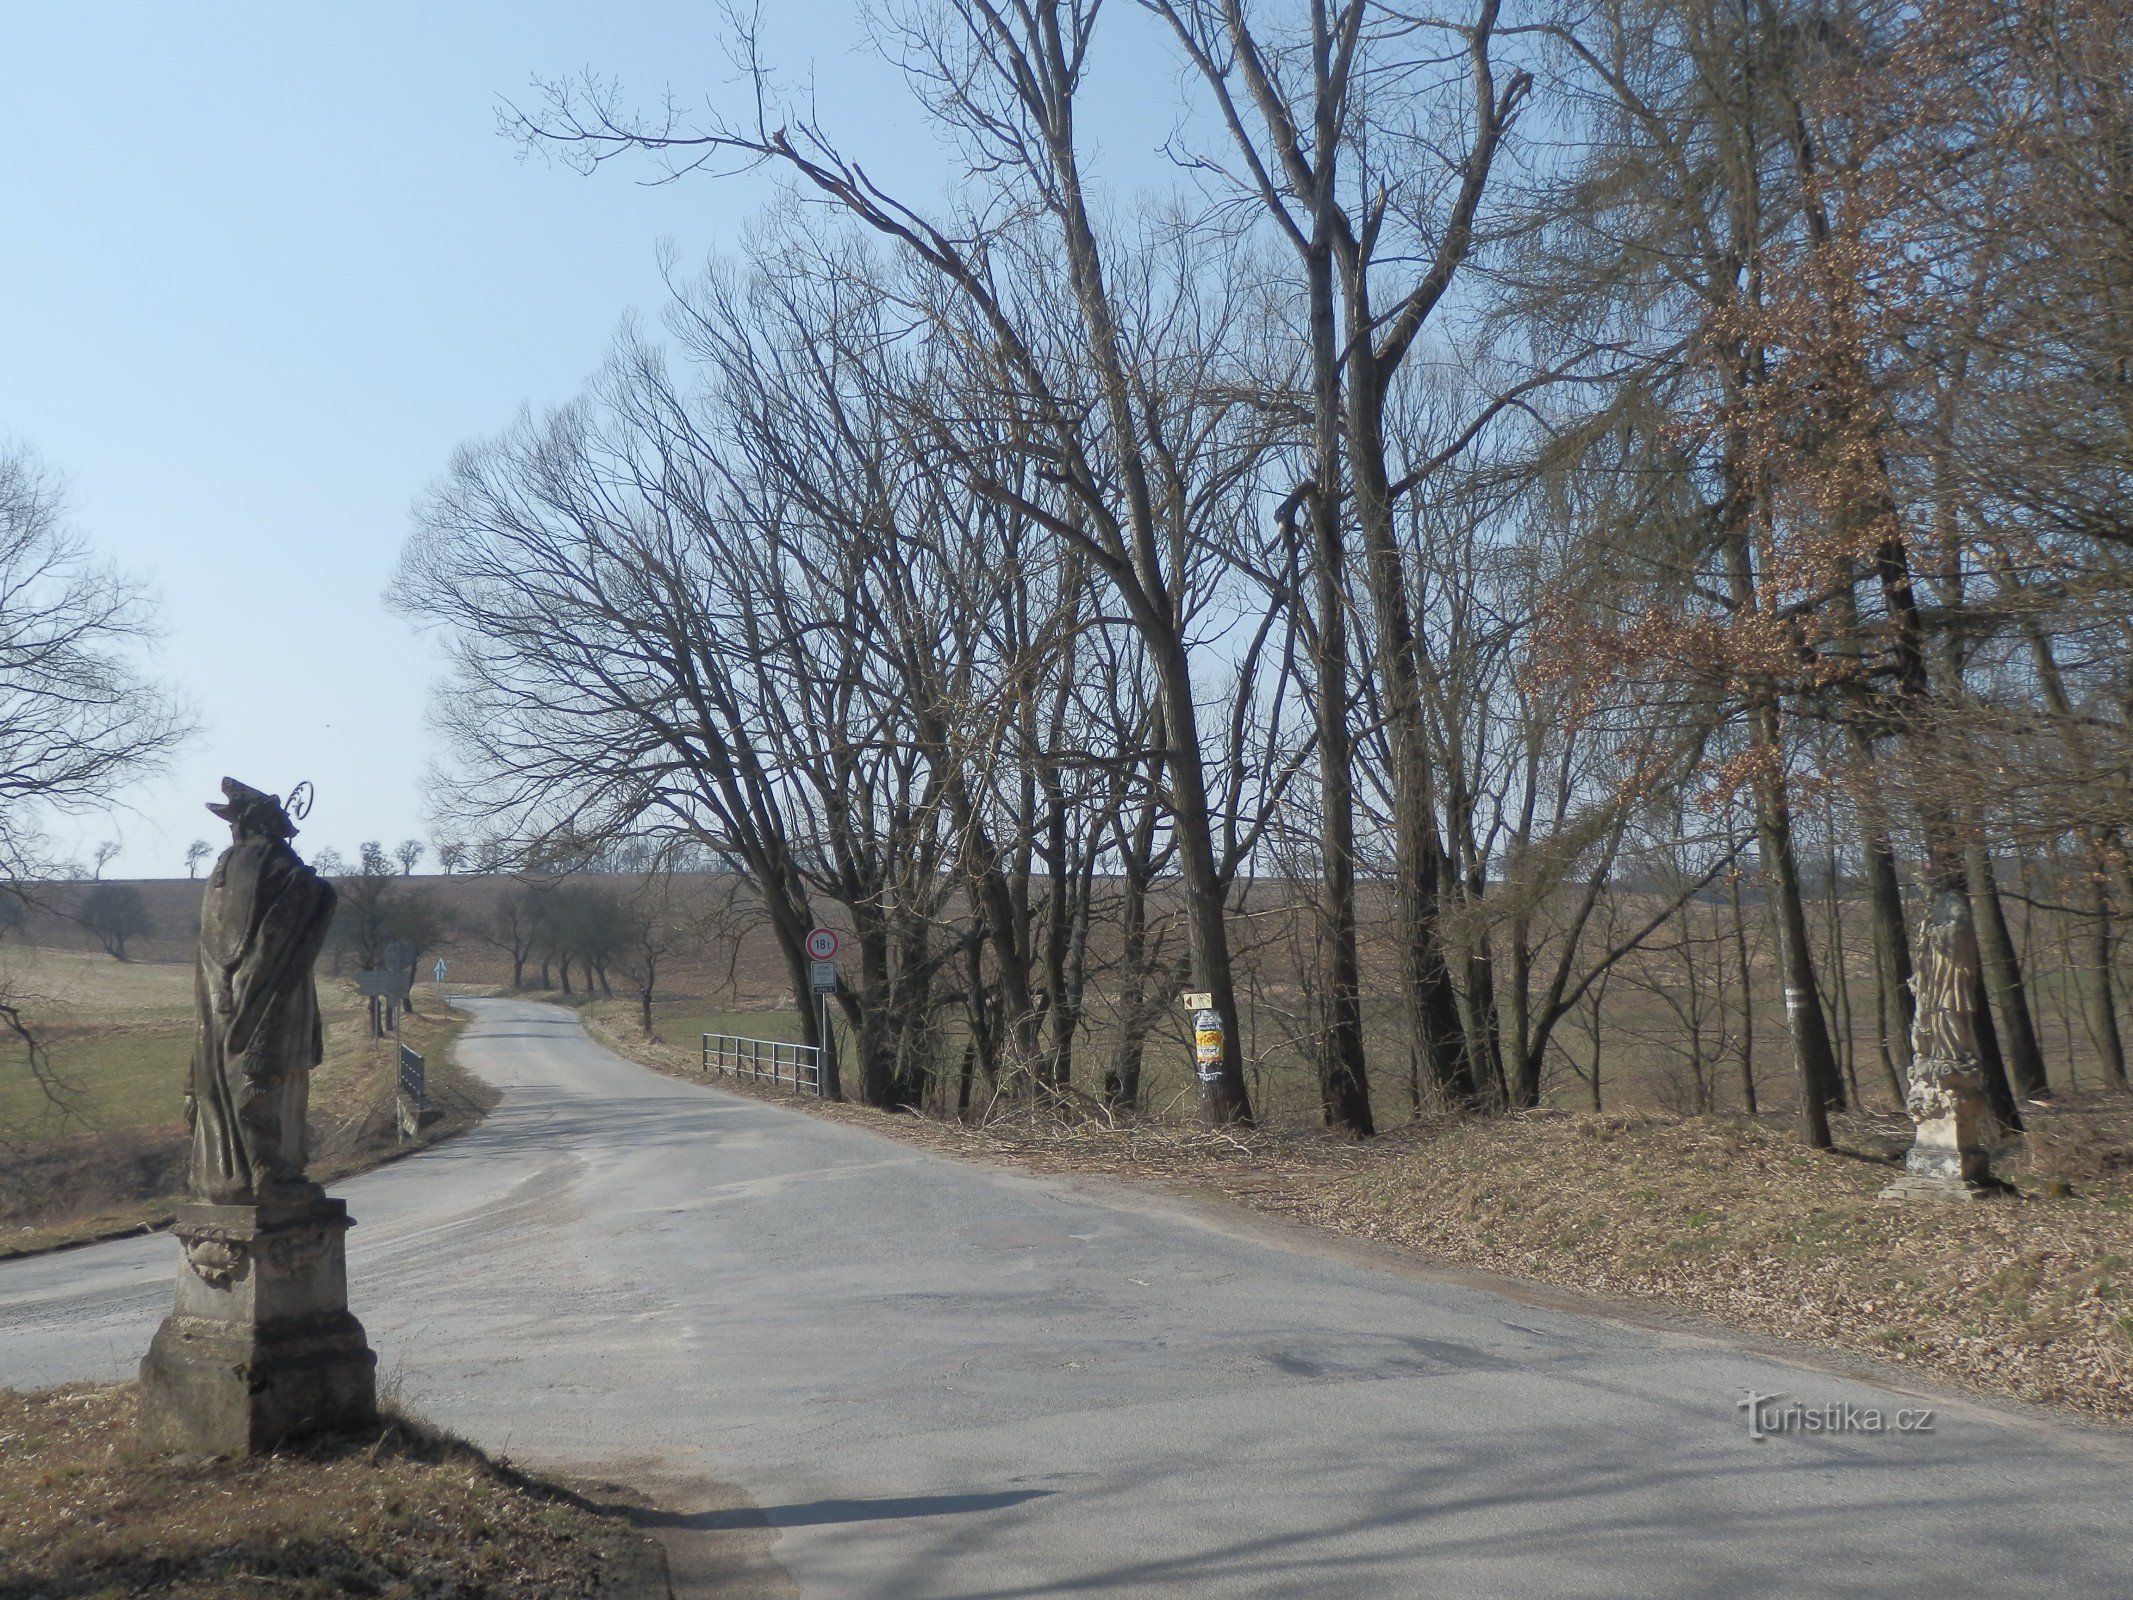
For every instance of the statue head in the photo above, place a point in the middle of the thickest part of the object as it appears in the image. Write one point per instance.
(252, 813)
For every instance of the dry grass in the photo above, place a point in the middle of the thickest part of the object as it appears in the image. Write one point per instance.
(401, 1511)
(2026, 1296)
(62, 985)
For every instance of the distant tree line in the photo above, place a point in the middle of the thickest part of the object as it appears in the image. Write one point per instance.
(628, 928)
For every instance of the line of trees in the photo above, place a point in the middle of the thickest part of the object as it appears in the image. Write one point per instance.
(601, 929)
(1529, 461)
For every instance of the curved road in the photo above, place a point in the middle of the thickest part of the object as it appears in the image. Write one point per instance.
(932, 1378)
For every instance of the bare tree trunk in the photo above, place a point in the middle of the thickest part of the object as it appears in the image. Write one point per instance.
(1436, 1032)
(1895, 1004)
(2098, 1001)
(2003, 974)
(1812, 1061)
(1122, 1083)
(1747, 997)
(1840, 1004)
(1343, 1084)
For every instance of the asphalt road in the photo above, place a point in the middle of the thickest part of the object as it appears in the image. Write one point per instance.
(931, 1378)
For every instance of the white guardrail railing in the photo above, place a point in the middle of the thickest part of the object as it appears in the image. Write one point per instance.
(765, 1060)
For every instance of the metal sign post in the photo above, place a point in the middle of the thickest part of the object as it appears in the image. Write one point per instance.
(822, 947)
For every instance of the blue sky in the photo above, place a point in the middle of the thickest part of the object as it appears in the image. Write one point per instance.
(267, 265)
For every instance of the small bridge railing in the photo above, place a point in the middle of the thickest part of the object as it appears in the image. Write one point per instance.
(765, 1060)
(412, 1100)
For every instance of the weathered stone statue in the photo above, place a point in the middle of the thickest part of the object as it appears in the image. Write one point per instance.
(260, 1345)
(1950, 1155)
(262, 924)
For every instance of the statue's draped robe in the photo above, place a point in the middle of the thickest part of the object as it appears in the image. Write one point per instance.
(262, 923)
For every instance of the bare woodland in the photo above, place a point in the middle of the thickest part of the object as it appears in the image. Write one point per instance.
(1556, 503)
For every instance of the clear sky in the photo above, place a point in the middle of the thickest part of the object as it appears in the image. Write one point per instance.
(266, 265)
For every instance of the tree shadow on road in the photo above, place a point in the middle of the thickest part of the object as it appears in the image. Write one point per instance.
(814, 1513)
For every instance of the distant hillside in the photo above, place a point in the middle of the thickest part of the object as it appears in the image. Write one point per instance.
(736, 958)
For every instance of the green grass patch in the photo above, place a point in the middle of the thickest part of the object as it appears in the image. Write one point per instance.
(106, 1078)
(686, 1025)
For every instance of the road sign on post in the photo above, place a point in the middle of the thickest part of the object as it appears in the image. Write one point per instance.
(437, 972)
(822, 947)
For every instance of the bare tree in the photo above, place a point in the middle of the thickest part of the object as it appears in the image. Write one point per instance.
(656, 923)
(78, 721)
(195, 853)
(1379, 240)
(115, 913)
(376, 910)
(511, 925)
(1006, 80)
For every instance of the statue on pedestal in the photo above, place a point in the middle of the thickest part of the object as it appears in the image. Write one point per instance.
(262, 924)
(1950, 1154)
(260, 1346)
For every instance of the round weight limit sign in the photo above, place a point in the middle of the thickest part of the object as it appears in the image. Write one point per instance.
(822, 944)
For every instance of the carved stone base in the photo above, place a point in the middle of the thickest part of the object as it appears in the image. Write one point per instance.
(1950, 1156)
(260, 1346)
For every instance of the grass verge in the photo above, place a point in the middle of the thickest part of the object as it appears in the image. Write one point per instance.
(124, 1176)
(400, 1511)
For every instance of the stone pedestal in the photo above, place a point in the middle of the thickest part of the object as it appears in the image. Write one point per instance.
(1950, 1157)
(260, 1346)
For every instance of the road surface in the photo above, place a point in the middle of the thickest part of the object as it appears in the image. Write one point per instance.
(932, 1378)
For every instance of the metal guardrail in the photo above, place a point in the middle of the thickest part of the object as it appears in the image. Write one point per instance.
(412, 1100)
(764, 1060)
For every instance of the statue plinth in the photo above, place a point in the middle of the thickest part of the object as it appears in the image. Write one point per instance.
(1950, 1156)
(260, 1346)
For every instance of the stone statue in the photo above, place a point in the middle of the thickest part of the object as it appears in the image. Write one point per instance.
(262, 924)
(259, 1345)
(1944, 1025)
(1950, 1152)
